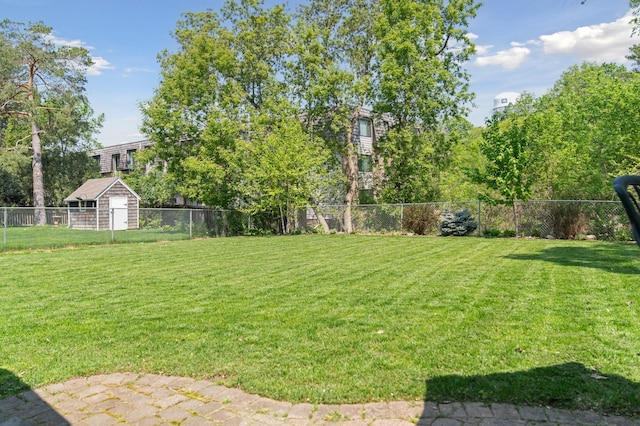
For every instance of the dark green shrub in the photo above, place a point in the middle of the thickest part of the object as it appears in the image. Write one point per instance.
(256, 232)
(491, 233)
(420, 218)
(151, 220)
(535, 233)
(509, 233)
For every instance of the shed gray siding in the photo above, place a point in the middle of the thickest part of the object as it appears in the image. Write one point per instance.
(89, 206)
(117, 190)
(83, 218)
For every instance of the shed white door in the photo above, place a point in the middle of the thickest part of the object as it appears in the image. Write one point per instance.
(118, 213)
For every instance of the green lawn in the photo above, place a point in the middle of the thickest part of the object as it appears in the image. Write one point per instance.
(35, 237)
(335, 318)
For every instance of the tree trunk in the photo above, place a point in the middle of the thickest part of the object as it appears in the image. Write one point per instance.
(350, 171)
(38, 183)
(322, 220)
(282, 221)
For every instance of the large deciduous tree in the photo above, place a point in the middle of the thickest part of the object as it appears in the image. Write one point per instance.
(569, 143)
(591, 124)
(403, 59)
(42, 90)
(212, 91)
(634, 51)
(422, 85)
(280, 165)
(332, 77)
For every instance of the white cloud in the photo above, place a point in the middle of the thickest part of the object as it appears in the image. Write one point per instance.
(131, 70)
(71, 43)
(99, 64)
(609, 41)
(507, 59)
(483, 50)
(602, 42)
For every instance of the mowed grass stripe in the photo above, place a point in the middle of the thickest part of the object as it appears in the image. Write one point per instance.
(336, 318)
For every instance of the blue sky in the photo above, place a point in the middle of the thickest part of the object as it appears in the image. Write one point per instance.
(523, 45)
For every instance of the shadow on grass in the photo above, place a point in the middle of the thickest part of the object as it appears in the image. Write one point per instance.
(609, 257)
(570, 386)
(24, 406)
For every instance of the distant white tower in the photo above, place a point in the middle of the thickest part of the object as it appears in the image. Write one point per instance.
(505, 99)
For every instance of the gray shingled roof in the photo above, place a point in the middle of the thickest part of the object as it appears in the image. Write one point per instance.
(91, 189)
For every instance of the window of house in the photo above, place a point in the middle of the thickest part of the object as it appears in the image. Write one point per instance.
(364, 163)
(130, 153)
(364, 127)
(115, 162)
(96, 158)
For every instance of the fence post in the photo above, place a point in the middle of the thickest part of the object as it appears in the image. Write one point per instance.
(5, 228)
(190, 222)
(401, 217)
(479, 221)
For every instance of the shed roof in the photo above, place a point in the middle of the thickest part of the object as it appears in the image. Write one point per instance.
(92, 189)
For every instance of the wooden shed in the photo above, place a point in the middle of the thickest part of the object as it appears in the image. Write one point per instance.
(103, 204)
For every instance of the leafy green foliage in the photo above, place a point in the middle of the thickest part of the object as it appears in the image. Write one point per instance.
(420, 55)
(491, 233)
(508, 148)
(11, 193)
(279, 164)
(400, 58)
(465, 159)
(422, 86)
(589, 123)
(149, 180)
(212, 89)
(232, 68)
(415, 162)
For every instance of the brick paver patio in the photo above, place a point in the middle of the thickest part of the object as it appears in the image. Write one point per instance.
(150, 399)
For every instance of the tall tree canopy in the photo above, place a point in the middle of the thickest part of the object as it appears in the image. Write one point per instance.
(226, 69)
(335, 58)
(221, 117)
(591, 127)
(422, 85)
(42, 102)
(571, 142)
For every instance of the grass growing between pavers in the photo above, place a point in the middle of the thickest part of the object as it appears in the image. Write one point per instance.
(43, 237)
(337, 319)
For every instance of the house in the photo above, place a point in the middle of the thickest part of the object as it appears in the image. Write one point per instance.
(366, 136)
(103, 204)
(118, 158)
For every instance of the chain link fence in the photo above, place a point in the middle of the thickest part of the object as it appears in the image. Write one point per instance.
(601, 220)
(82, 226)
